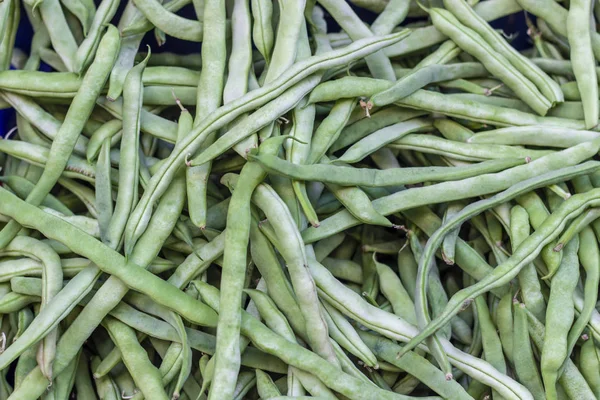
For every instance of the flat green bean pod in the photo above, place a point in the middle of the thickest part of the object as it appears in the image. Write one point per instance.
(349, 176)
(230, 111)
(507, 270)
(388, 205)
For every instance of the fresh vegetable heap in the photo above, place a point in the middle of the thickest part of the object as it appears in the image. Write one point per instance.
(392, 211)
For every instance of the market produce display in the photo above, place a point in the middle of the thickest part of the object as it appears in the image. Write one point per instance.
(400, 207)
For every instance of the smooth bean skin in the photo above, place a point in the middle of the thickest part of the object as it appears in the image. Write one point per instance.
(330, 129)
(571, 380)
(146, 375)
(363, 127)
(537, 214)
(234, 270)
(528, 277)
(68, 133)
(583, 60)
(505, 271)
(588, 257)
(588, 364)
(299, 357)
(348, 176)
(229, 112)
(560, 315)
(379, 65)
(466, 15)
(483, 183)
(425, 76)
(127, 193)
(437, 102)
(354, 306)
(534, 136)
(523, 358)
(262, 29)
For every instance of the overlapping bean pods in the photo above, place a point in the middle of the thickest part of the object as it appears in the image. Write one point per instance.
(406, 208)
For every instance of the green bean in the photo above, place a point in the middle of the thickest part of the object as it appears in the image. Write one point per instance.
(344, 269)
(7, 27)
(329, 130)
(436, 102)
(394, 291)
(296, 258)
(52, 284)
(466, 15)
(60, 34)
(209, 96)
(22, 187)
(391, 247)
(394, 13)
(347, 176)
(425, 76)
(351, 303)
(45, 122)
(326, 246)
(470, 152)
(64, 382)
(106, 387)
(528, 250)
(385, 117)
(588, 247)
(278, 285)
(262, 30)
(146, 376)
(299, 357)
(523, 358)
(588, 365)
(389, 204)
(297, 150)
(228, 112)
(128, 182)
(449, 243)
(265, 386)
(81, 246)
(537, 214)
(534, 136)
(240, 65)
(104, 195)
(359, 205)
(13, 302)
(39, 84)
(531, 291)
(275, 320)
(583, 59)
(149, 123)
(84, 54)
(167, 21)
(24, 318)
(503, 318)
(235, 264)
(571, 380)
(492, 347)
(182, 351)
(344, 334)
(382, 137)
(69, 131)
(470, 41)
(379, 65)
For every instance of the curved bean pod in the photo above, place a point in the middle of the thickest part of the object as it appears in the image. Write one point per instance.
(78, 113)
(227, 113)
(432, 194)
(505, 271)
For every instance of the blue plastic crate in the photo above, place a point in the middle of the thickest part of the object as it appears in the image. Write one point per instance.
(513, 24)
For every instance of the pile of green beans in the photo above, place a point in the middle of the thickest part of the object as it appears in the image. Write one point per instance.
(396, 210)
